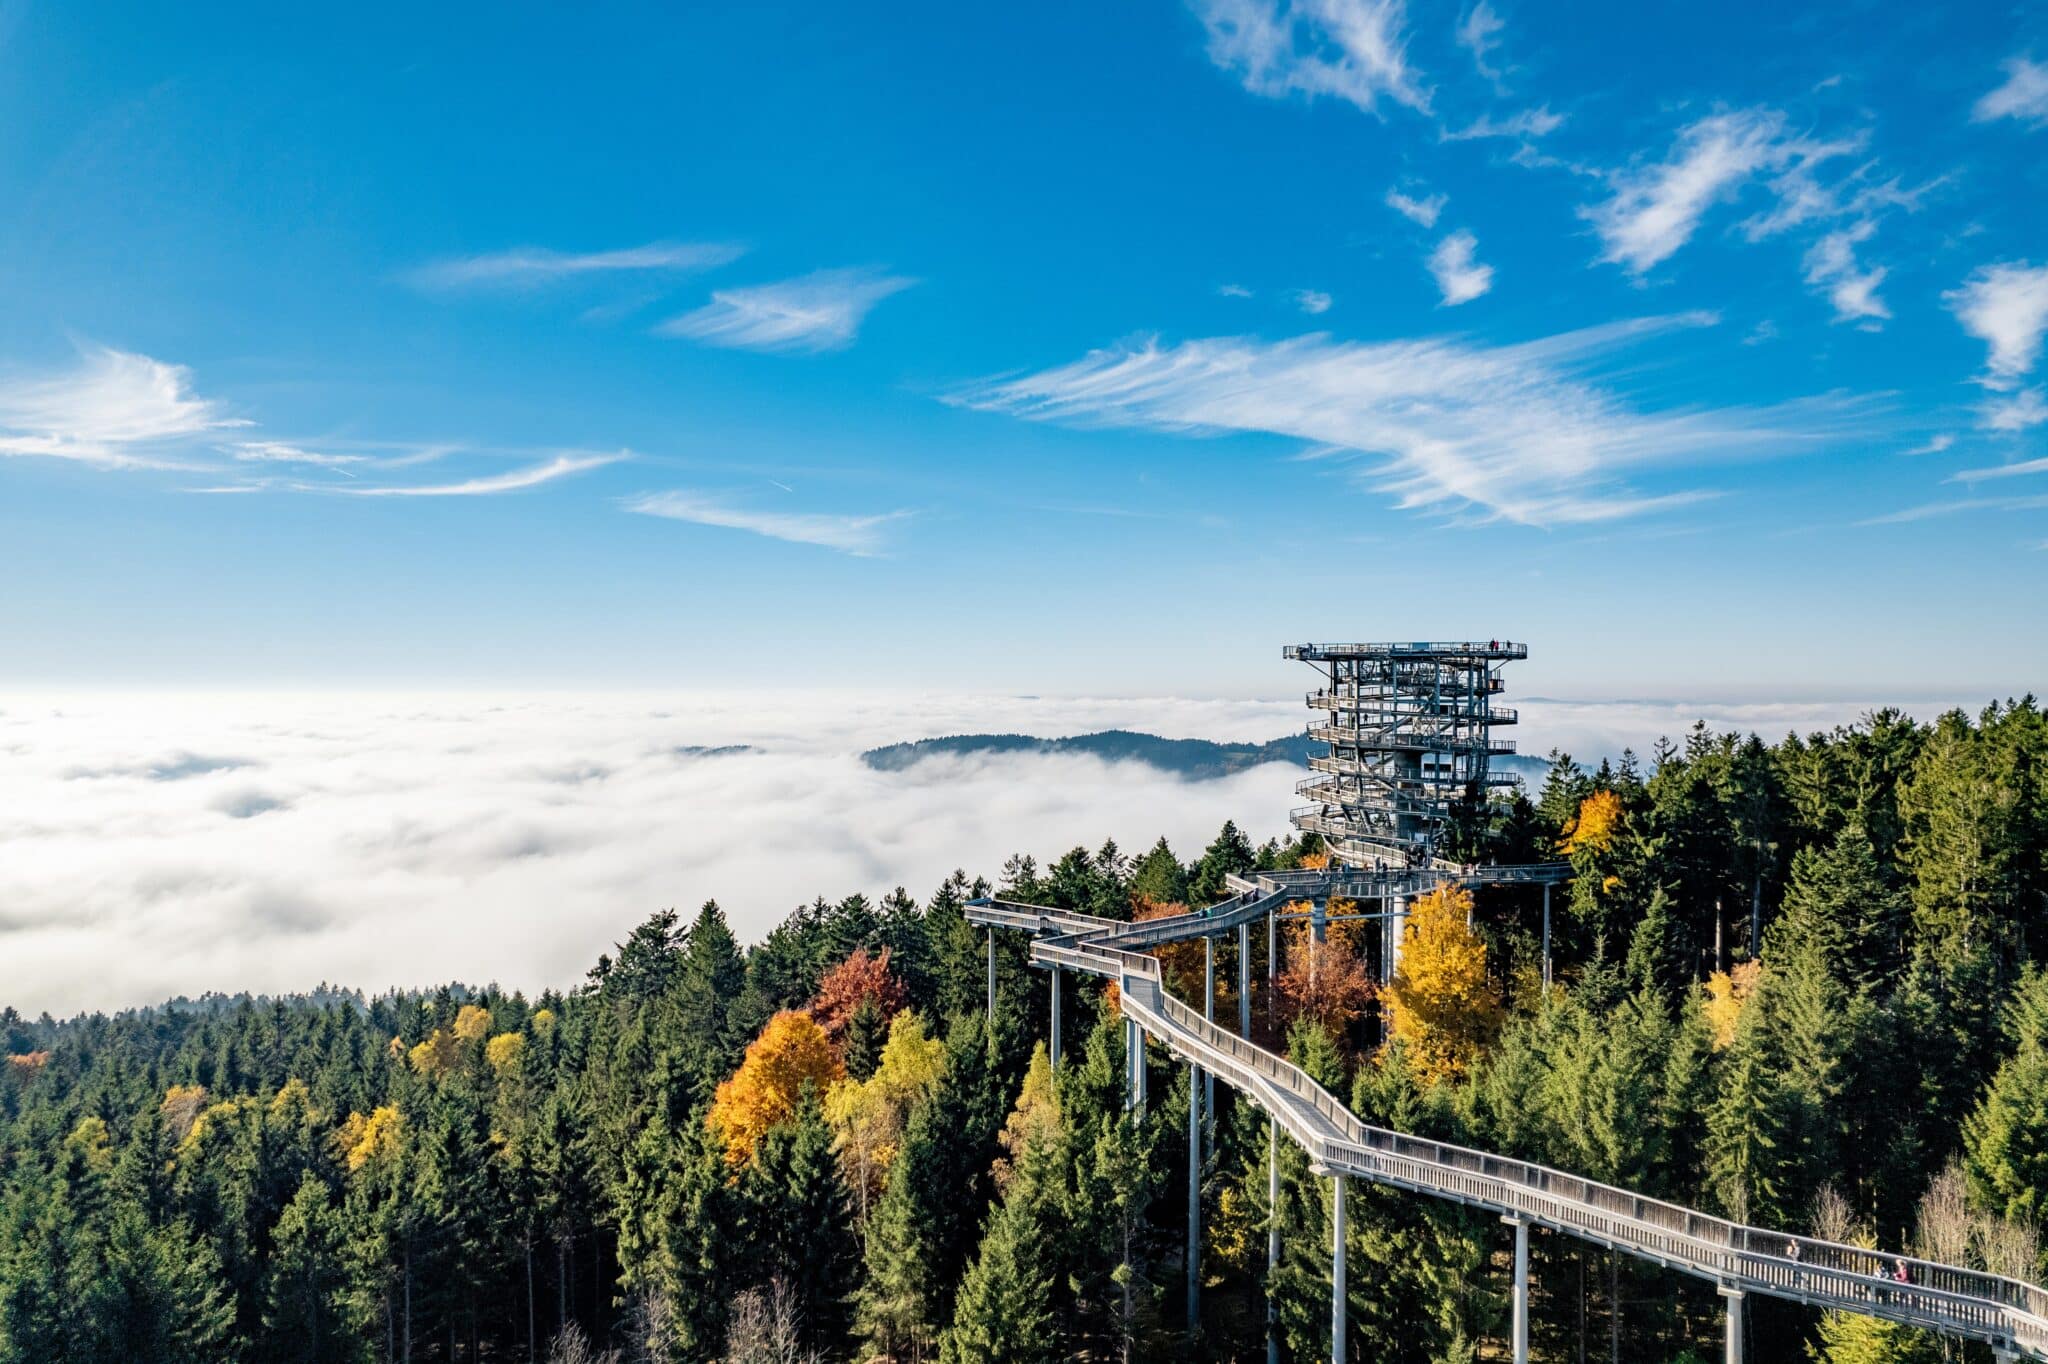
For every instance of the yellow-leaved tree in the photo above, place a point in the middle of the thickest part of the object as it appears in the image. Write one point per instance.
(472, 1022)
(363, 1140)
(1594, 827)
(790, 1052)
(868, 1116)
(506, 1053)
(1036, 1116)
(1727, 993)
(1444, 1008)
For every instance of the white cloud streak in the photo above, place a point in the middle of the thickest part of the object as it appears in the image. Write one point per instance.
(281, 452)
(1314, 302)
(1479, 33)
(530, 267)
(1997, 471)
(2006, 307)
(860, 536)
(114, 409)
(562, 466)
(1520, 431)
(2019, 412)
(2024, 95)
(1655, 209)
(1526, 125)
(816, 312)
(1352, 50)
(1832, 267)
(1422, 212)
(1459, 277)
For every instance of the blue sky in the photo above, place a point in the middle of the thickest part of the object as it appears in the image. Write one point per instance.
(1060, 347)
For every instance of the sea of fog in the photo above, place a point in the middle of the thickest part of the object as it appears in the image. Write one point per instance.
(159, 846)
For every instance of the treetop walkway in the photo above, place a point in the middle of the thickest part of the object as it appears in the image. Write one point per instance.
(2009, 1315)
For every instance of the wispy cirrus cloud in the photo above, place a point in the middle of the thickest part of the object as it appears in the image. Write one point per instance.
(562, 466)
(1521, 432)
(2023, 95)
(1479, 34)
(283, 452)
(1928, 511)
(1459, 276)
(114, 408)
(2016, 470)
(1314, 302)
(1421, 212)
(2006, 307)
(1655, 208)
(1525, 125)
(531, 267)
(1831, 265)
(1352, 50)
(816, 312)
(861, 536)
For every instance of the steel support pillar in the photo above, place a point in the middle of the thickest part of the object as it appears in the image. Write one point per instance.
(1209, 1013)
(1337, 1303)
(991, 978)
(1134, 1065)
(1272, 946)
(1272, 1237)
(1546, 939)
(1244, 980)
(1055, 1044)
(1519, 1337)
(1318, 920)
(1397, 926)
(1194, 1197)
(1732, 1351)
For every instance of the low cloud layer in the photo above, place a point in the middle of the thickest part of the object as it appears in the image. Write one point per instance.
(159, 847)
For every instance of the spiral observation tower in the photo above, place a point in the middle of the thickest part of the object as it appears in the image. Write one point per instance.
(1410, 729)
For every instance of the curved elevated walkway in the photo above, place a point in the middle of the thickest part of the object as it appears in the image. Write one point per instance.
(2010, 1315)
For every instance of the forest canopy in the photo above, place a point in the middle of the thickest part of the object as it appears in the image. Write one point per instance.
(1801, 984)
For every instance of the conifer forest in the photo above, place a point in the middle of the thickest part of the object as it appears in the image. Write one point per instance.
(1803, 985)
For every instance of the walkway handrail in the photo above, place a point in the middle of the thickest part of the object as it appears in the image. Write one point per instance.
(2009, 1313)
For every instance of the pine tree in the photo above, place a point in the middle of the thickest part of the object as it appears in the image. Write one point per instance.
(2006, 1139)
(306, 1294)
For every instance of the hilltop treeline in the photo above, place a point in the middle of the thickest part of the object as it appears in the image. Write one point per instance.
(1796, 984)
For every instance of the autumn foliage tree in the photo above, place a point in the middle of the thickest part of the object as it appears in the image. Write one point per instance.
(791, 1051)
(1327, 982)
(852, 983)
(1443, 1007)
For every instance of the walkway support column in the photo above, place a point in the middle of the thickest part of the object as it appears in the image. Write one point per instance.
(991, 977)
(1520, 1334)
(1546, 939)
(1733, 1300)
(1134, 1065)
(1337, 1304)
(1209, 1013)
(1272, 1238)
(1055, 1047)
(1244, 980)
(1194, 1197)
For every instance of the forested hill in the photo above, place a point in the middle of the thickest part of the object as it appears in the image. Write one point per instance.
(1189, 759)
(1800, 984)
(1194, 759)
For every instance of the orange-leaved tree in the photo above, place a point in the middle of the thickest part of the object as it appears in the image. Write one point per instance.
(852, 983)
(1444, 1008)
(791, 1051)
(1325, 981)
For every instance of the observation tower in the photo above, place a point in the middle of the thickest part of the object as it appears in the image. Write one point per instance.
(1410, 729)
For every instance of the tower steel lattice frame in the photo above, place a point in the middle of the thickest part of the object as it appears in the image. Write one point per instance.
(1410, 729)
